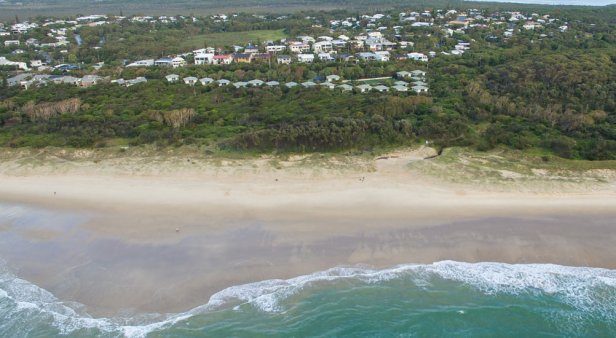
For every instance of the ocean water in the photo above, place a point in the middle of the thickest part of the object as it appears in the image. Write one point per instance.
(556, 2)
(442, 299)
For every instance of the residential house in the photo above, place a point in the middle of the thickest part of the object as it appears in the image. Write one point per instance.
(206, 81)
(204, 58)
(326, 57)
(291, 84)
(242, 57)
(135, 81)
(251, 49)
(142, 63)
(420, 89)
(308, 84)
(345, 87)
(178, 62)
(328, 85)
(366, 56)
(240, 84)
(9, 43)
(322, 47)
(382, 56)
(305, 58)
(381, 88)
(172, 78)
(332, 78)
(164, 62)
(90, 80)
(275, 48)
(403, 74)
(190, 80)
(223, 59)
(417, 57)
(364, 88)
(399, 88)
(272, 83)
(256, 83)
(418, 74)
(283, 59)
(299, 47)
(261, 57)
(17, 79)
(223, 82)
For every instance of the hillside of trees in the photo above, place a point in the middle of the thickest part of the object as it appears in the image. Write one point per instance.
(556, 94)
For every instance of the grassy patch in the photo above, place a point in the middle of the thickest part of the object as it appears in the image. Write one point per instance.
(233, 38)
(518, 170)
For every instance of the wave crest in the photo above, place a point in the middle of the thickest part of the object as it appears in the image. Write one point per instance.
(585, 289)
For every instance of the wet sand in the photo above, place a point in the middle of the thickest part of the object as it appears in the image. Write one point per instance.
(133, 243)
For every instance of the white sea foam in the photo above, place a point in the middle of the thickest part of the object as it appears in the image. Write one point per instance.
(576, 286)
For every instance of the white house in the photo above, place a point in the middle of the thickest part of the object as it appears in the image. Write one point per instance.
(322, 46)
(326, 57)
(364, 88)
(345, 87)
(204, 58)
(382, 56)
(256, 83)
(172, 78)
(20, 65)
(142, 63)
(206, 81)
(420, 89)
(332, 78)
(283, 59)
(305, 58)
(299, 47)
(178, 62)
(418, 74)
(190, 80)
(9, 43)
(417, 56)
(275, 48)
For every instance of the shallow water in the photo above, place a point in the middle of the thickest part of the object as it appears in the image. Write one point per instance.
(441, 299)
(60, 276)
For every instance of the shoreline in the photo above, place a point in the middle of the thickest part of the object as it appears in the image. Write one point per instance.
(162, 235)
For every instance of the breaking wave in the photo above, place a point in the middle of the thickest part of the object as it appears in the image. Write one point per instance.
(27, 310)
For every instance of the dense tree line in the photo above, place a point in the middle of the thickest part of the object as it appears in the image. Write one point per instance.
(547, 90)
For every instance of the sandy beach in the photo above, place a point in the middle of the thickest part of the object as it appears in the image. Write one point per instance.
(162, 233)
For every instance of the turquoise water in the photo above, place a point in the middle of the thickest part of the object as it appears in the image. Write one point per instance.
(442, 299)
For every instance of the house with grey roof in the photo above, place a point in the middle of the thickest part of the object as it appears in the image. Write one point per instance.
(332, 78)
(223, 82)
(364, 88)
(206, 81)
(328, 85)
(256, 83)
(190, 80)
(420, 89)
(291, 84)
(240, 84)
(172, 78)
(345, 87)
(272, 83)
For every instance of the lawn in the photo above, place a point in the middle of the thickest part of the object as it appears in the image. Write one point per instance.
(232, 38)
